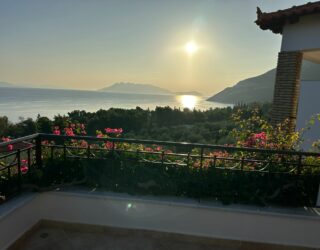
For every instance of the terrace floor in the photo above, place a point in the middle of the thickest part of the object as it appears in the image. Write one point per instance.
(53, 235)
(56, 235)
(53, 209)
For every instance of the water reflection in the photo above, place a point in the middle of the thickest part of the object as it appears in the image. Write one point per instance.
(188, 101)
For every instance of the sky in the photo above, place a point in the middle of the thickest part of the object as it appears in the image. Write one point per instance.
(82, 44)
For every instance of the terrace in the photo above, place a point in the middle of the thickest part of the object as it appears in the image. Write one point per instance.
(109, 192)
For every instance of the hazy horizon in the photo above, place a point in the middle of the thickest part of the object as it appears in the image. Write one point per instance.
(89, 45)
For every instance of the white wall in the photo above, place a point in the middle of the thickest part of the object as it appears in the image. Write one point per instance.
(309, 104)
(17, 217)
(186, 217)
(303, 35)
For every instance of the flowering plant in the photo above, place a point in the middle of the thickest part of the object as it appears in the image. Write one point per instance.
(256, 131)
(7, 139)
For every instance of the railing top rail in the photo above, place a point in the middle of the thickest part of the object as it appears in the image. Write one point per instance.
(18, 140)
(163, 143)
(170, 143)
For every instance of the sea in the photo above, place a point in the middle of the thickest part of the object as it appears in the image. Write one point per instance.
(23, 103)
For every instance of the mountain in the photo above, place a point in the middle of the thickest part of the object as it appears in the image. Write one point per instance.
(135, 88)
(260, 88)
(196, 93)
(6, 85)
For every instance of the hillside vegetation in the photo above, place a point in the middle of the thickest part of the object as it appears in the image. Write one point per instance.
(163, 123)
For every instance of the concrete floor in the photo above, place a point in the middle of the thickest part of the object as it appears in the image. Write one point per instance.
(56, 235)
(52, 237)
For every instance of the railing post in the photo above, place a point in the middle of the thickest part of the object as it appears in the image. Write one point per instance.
(242, 163)
(29, 158)
(64, 151)
(51, 152)
(214, 161)
(162, 157)
(9, 173)
(188, 159)
(88, 151)
(38, 152)
(299, 164)
(19, 169)
(201, 158)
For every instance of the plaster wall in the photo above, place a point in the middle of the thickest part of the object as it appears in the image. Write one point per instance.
(303, 35)
(309, 105)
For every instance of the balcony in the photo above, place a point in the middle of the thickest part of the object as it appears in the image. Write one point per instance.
(98, 192)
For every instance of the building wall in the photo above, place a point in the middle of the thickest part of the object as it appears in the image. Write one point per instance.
(309, 104)
(303, 35)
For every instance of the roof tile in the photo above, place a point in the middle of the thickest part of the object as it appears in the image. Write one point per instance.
(275, 21)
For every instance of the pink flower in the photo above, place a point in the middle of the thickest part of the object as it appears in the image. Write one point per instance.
(69, 132)
(56, 132)
(83, 144)
(99, 135)
(158, 148)
(72, 125)
(108, 130)
(219, 154)
(83, 132)
(109, 145)
(24, 166)
(46, 142)
(113, 131)
(82, 126)
(148, 149)
(256, 140)
(7, 139)
(260, 136)
(24, 169)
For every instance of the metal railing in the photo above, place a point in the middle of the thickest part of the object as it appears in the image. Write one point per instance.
(292, 159)
(30, 153)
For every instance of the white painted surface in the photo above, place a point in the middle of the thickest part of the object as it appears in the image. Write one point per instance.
(17, 217)
(303, 35)
(187, 218)
(309, 105)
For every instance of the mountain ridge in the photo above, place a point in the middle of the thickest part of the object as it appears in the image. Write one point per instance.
(135, 88)
(260, 88)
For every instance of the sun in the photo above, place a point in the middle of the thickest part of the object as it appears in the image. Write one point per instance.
(191, 47)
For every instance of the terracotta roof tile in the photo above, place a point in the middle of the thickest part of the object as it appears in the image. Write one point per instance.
(275, 21)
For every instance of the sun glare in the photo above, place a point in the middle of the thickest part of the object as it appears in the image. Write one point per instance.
(191, 47)
(188, 101)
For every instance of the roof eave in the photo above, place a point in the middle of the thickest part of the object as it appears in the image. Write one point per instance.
(275, 21)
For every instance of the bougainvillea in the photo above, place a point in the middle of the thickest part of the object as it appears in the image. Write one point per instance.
(113, 130)
(7, 139)
(24, 166)
(257, 132)
(56, 130)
